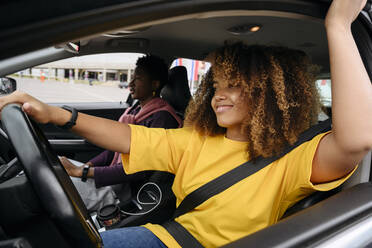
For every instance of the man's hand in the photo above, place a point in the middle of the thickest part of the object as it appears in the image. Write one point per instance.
(72, 170)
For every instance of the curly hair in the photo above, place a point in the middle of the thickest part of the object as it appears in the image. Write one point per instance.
(155, 68)
(278, 86)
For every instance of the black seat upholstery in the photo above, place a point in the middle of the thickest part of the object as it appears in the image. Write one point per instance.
(310, 200)
(177, 92)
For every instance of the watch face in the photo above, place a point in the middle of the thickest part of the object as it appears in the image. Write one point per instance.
(84, 176)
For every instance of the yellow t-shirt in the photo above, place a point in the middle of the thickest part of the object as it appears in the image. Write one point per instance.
(248, 206)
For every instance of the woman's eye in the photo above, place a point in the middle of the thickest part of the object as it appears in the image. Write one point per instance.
(231, 86)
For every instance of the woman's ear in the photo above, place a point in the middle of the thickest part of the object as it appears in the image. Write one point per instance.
(155, 85)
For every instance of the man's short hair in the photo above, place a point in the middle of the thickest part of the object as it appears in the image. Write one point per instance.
(154, 67)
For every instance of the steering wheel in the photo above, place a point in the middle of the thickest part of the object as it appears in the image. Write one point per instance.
(6, 151)
(12, 166)
(49, 179)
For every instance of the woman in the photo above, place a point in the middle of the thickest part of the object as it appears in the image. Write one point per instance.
(248, 89)
(150, 75)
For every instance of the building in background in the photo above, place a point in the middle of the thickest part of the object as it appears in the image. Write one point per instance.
(106, 68)
(116, 67)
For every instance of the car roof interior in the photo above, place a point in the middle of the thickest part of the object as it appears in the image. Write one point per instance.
(196, 37)
(193, 33)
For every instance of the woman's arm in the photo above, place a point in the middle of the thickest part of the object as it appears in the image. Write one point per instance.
(108, 134)
(351, 136)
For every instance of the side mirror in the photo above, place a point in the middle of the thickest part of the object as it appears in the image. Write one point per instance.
(7, 85)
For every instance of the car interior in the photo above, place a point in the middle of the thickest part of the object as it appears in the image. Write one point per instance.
(40, 207)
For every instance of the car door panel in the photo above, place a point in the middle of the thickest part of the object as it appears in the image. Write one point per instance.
(319, 223)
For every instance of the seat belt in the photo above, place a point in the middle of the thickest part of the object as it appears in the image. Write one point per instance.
(223, 182)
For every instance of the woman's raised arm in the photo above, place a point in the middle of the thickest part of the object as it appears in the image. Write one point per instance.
(351, 136)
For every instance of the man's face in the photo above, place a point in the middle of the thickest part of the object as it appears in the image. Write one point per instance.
(141, 86)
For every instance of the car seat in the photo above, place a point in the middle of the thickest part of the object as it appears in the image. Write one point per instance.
(177, 91)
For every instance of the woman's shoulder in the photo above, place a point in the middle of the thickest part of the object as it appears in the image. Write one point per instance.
(164, 119)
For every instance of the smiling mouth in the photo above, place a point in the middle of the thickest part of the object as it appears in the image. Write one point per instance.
(223, 108)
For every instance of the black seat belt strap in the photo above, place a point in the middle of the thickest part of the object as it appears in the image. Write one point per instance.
(220, 184)
(181, 235)
(246, 169)
(197, 197)
(230, 178)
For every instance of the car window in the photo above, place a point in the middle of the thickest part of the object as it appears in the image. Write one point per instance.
(196, 69)
(324, 89)
(91, 78)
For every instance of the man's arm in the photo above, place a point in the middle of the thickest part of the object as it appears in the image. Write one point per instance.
(103, 159)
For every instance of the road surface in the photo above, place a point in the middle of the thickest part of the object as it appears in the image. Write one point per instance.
(55, 92)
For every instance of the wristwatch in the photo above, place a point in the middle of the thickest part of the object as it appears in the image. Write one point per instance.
(74, 116)
(84, 176)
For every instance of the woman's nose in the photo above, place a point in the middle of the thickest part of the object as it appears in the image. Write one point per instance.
(219, 95)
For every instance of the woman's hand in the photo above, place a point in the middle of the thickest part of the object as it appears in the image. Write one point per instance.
(72, 170)
(36, 109)
(343, 12)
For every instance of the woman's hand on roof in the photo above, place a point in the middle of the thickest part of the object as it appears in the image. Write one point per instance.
(343, 12)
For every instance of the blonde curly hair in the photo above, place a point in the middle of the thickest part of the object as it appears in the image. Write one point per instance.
(278, 85)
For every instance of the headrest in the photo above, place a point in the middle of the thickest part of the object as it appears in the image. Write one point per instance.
(177, 92)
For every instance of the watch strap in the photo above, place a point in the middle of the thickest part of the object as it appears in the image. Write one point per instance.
(74, 116)
(84, 176)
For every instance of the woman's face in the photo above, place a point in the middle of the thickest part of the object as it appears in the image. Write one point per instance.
(141, 86)
(229, 106)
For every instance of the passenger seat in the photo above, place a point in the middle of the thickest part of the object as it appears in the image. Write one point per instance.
(177, 91)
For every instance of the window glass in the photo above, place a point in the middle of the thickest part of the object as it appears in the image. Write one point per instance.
(91, 78)
(195, 71)
(324, 89)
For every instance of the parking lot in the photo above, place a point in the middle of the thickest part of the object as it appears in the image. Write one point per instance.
(51, 91)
